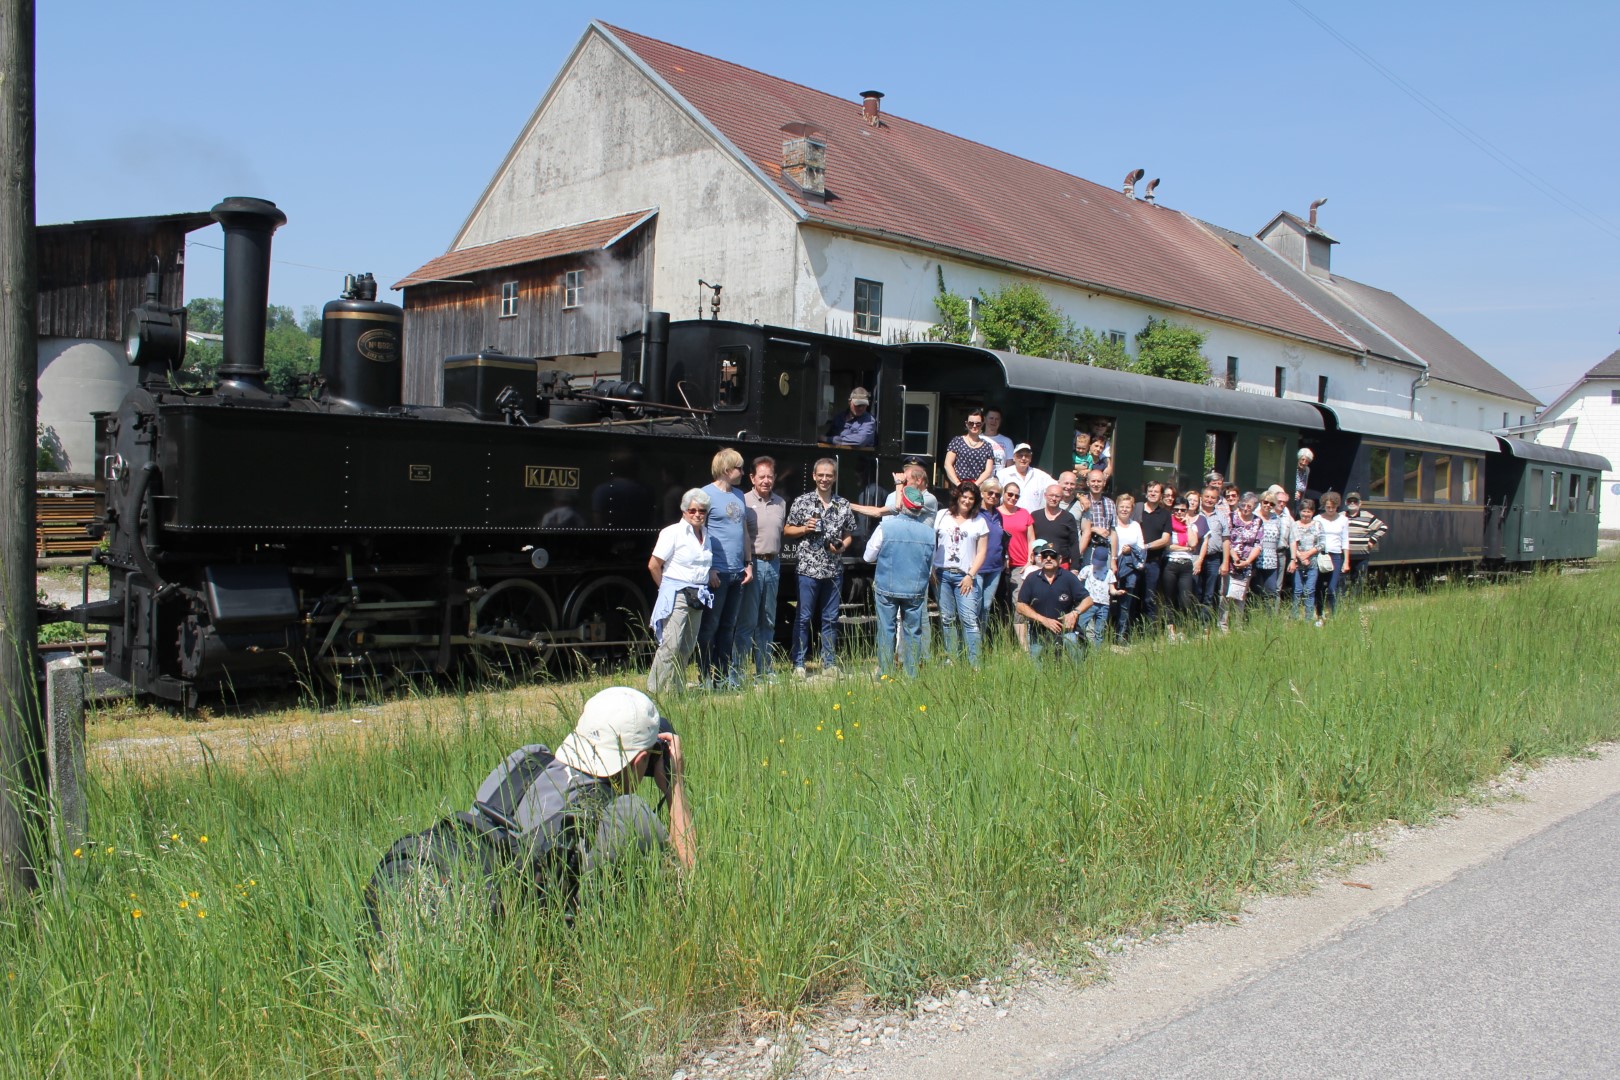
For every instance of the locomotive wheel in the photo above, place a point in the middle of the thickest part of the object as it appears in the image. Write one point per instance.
(514, 609)
(609, 615)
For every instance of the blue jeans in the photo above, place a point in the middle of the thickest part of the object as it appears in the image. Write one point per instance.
(1268, 583)
(956, 608)
(1305, 587)
(1124, 605)
(988, 584)
(1152, 570)
(1068, 643)
(717, 638)
(756, 622)
(908, 612)
(1331, 592)
(1093, 621)
(818, 601)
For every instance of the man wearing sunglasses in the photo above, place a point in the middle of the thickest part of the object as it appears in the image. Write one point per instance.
(1051, 599)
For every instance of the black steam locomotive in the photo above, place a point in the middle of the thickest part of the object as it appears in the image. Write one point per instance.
(339, 534)
(256, 538)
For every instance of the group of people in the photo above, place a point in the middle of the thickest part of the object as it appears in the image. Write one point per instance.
(1074, 565)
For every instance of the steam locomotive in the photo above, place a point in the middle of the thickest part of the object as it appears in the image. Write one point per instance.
(339, 534)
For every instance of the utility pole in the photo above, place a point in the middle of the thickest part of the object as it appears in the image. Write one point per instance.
(19, 312)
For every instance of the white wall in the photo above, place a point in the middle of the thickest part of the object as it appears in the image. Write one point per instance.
(830, 262)
(607, 141)
(1595, 430)
(78, 377)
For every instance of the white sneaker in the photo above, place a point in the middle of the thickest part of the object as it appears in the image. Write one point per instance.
(800, 673)
(1318, 622)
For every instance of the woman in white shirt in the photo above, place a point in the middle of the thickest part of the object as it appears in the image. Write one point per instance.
(1335, 545)
(682, 566)
(1130, 551)
(961, 542)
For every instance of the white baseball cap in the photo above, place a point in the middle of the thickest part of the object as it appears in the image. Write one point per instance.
(616, 724)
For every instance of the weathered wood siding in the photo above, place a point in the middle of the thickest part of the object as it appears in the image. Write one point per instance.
(448, 320)
(90, 278)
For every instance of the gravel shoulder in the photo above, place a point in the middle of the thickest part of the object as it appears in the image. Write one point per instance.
(1048, 1024)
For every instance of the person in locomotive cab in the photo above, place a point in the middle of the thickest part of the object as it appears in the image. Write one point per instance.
(823, 524)
(682, 566)
(855, 426)
(733, 552)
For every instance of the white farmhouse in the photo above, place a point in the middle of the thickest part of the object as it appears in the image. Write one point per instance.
(799, 208)
(1586, 417)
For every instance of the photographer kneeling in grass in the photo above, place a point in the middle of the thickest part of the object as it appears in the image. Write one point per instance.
(554, 817)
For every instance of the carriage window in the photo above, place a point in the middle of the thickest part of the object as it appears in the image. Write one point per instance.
(1591, 494)
(1094, 443)
(917, 438)
(1220, 453)
(1574, 492)
(1161, 449)
(1552, 490)
(1537, 480)
(1273, 465)
(1442, 478)
(1412, 486)
(1378, 473)
(731, 378)
(1470, 480)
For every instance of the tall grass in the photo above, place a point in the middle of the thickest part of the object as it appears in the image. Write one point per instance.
(870, 837)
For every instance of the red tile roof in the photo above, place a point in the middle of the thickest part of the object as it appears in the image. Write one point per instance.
(908, 180)
(568, 240)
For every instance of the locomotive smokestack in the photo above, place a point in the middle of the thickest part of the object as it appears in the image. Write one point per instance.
(657, 346)
(248, 224)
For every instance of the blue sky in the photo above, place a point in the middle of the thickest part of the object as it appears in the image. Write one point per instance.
(375, 128)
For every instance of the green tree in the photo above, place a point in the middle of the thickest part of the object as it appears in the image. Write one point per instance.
(206, 315)
(1019, 318)
(1171, 351)
(955, 319)
(292, 346)
(1098, 351)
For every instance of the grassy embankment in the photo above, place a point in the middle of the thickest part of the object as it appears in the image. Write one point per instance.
(878, 838)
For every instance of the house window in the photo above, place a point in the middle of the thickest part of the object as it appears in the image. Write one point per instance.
(1614, 397)
(1231, 373)
(573, 286)
(1321, 389)
(509, 294)
(1116, 337)
(1504, 419)
(868, 306)
(1280, 382)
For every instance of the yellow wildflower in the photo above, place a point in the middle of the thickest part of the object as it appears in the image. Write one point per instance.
(78, 853)
(202, 839)
(201, 914)
(818, 727)
(192, 894)
(922, 708)
(251, 882)
(184, 904)
(174, 836)
(840, 734)
(765, 764)
(132, 896)
(836, 706)
(135, 914)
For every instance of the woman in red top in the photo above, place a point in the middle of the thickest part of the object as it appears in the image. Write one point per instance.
(1020, 529)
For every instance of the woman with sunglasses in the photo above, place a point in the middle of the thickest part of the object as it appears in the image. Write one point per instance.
(969, 458)
(1019, 525)
(1268, 569)
(961, 540)
(1186, 548)
(682, 567)
(995, 559)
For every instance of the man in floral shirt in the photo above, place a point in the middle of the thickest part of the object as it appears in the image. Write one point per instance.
(823, 525)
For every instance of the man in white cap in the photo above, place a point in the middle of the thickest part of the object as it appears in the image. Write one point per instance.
(1032, 482)
(855, 426)
(590, 784)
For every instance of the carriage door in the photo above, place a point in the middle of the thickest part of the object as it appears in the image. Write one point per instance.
(921, 426)
(790, 392)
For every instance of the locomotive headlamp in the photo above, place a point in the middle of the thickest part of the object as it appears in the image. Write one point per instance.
(155, 334)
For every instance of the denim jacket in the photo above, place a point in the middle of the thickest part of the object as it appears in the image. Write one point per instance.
(905, 556)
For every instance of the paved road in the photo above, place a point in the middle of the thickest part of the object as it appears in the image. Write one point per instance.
(1511, 968)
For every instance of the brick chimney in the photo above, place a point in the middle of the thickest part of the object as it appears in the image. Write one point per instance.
(804, 158)
(872, 106)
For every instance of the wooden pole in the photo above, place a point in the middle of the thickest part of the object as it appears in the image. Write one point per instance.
(19, 376)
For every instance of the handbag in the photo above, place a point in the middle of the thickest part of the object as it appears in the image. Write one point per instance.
(1237, 588)
(1324, 563)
